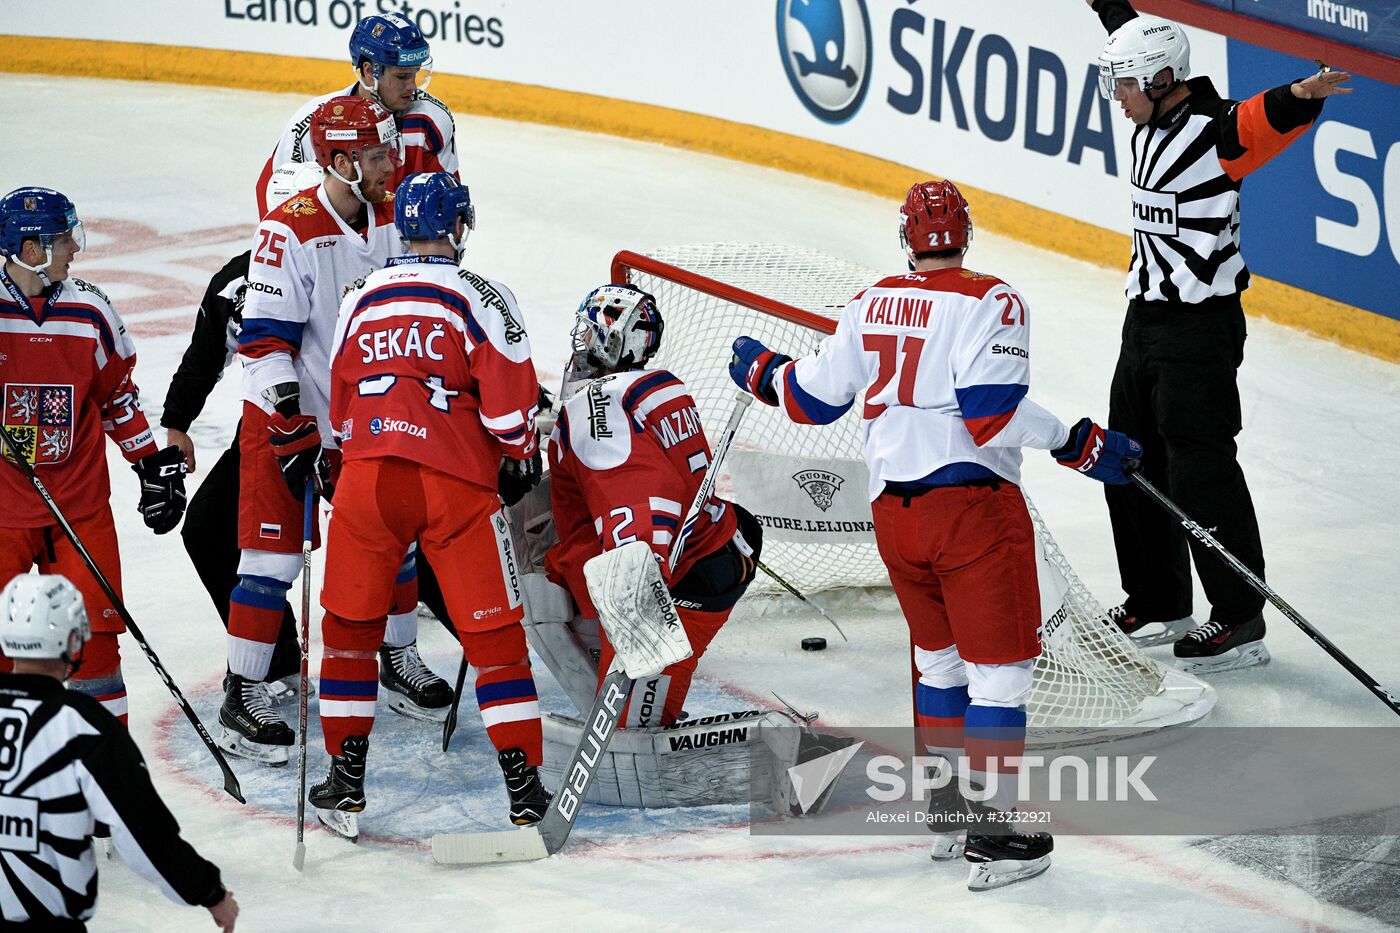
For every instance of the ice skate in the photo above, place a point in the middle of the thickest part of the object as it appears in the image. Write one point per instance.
(250, 728)
(342, 794)
(1147, 633)
(947, 822)
(528, 798)
(284, 691)
(414, 690)
(1220, 646)
(1005, 856)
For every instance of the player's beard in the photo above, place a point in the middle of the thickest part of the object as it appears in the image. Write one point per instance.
(374, 192)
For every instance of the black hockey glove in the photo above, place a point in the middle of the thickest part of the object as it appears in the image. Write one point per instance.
(162, 489)
(518, 477)
(296, 442)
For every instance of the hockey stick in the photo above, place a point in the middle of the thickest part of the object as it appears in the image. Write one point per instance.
(796, 592)
(231, 785)
(1264, 589)
(449, 725)
(549, 835)
(308, 515)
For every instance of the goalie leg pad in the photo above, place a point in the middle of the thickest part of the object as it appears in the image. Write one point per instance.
(694, 764)
(636, 609)
(548, 613)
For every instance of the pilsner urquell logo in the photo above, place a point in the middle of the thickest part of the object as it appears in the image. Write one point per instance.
(820, 485)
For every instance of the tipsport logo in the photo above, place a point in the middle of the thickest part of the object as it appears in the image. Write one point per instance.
(826, 50)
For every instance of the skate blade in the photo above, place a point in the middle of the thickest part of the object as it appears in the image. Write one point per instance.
(344, 824)
(406, 707)
(274, 756)
(1154, 634)
(947, 846)
(1253, 654)
(987, 875)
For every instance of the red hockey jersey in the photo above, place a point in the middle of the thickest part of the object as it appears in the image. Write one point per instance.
(431, 363)
(626, 459)
(65, 370)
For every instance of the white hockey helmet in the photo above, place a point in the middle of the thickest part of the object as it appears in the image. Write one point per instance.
(618, 327)
(1140, 49)
(42, 616)
(291, 179)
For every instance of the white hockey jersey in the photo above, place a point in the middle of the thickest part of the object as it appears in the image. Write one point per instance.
(305, 259)
(943, 359)
(426, 126)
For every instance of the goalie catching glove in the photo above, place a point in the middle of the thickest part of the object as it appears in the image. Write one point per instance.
(162, 489)
(752, 367)
(1107, 456)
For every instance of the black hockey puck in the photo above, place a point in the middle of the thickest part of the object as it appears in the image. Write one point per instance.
(816, 643)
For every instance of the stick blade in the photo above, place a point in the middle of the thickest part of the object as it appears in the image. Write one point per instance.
(231, 785)
(299, 859)
(509, 845)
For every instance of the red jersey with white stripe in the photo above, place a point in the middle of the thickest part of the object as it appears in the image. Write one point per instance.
(943, 359)
(65, 370)
(304, 260)
(626, 459)
(429, 140)
(432, 364)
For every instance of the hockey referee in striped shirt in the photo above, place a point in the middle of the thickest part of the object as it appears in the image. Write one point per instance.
(1175, 387)
(66, 763)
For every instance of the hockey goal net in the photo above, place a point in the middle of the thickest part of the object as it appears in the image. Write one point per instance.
(808, 485)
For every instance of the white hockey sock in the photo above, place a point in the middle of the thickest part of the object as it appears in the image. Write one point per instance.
(402, 629)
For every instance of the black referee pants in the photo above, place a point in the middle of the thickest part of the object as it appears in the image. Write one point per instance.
(210, 535)
(1175, 392)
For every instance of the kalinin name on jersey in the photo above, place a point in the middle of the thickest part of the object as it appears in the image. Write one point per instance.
(900, 312)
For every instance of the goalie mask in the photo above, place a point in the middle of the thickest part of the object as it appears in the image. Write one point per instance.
(618, 328)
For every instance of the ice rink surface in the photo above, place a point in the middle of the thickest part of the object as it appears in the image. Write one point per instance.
(163, 178)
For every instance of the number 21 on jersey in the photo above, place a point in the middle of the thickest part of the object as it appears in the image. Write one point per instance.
(897, 359)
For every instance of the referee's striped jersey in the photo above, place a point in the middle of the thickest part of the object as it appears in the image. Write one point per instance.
(65, 763)
(1187, 168)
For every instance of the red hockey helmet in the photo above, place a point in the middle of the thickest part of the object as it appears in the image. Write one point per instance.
(933, 218)
(350, 124)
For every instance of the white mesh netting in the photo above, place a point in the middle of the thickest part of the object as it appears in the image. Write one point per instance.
(1089, 675)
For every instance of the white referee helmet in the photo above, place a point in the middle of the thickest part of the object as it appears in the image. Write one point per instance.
(1140, 49)
(291, 179)
(42, 616)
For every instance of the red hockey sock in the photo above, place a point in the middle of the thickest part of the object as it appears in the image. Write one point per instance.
(100, 674)
(349, 678)
(505, 690)
(254, 619)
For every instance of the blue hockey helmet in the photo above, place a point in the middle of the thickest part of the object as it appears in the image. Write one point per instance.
(37, 214)
(390, 41)
(427, 206)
